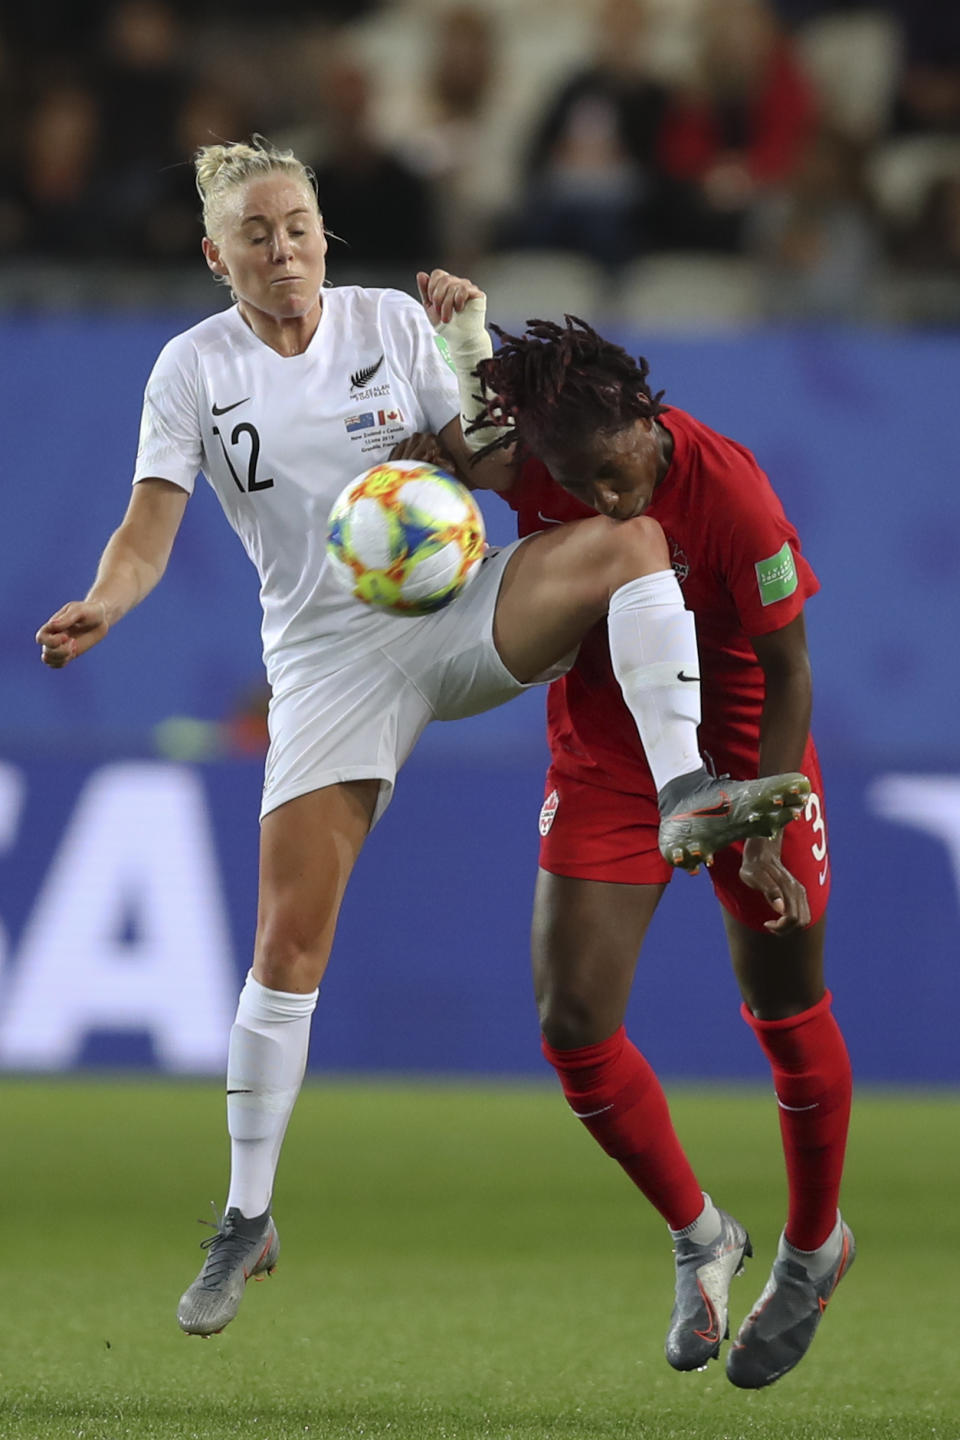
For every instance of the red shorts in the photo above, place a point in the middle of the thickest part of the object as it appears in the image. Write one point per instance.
(590, 833)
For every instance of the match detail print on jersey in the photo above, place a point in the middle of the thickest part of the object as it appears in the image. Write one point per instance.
(777, 575)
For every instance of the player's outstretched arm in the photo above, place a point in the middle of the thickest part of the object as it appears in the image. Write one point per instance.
(133, 561)
(457, 309)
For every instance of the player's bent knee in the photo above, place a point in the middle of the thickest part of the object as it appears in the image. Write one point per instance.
(634, 548)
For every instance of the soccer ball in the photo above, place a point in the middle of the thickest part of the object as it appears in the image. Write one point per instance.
(405, 537)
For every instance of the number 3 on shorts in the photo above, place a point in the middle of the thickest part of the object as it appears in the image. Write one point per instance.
(813, 814)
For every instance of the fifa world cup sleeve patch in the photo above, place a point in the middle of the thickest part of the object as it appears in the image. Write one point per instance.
(444, 349)
(777, 575)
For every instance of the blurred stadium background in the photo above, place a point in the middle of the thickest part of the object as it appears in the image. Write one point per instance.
(763, 199)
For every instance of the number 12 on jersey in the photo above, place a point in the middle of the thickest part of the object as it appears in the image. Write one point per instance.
(252, 482)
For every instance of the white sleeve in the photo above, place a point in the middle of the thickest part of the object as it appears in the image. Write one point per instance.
(421, 353)
(170, 443)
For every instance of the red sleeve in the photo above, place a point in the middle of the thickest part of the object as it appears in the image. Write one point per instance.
(781, 119)
(756, 550)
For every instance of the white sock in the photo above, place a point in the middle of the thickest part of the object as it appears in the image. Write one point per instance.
(821, 1261)
(653, 641)
(265, 1065)
(705, 1229)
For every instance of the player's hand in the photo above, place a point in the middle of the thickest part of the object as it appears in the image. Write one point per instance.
(426, 448)
(73, 630)
(445, 295)
(429, 451)
(763, 870)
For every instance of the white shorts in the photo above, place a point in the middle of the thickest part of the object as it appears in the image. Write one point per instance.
(361, 720)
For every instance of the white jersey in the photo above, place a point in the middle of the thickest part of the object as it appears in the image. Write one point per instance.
(279, 437)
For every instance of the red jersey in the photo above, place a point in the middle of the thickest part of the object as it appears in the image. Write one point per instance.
(738, 561)
(779, 119)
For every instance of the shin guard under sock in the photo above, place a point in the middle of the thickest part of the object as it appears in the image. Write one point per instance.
(265, 1065)
(653, 648)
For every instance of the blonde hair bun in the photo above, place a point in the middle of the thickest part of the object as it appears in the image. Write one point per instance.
(221, 168)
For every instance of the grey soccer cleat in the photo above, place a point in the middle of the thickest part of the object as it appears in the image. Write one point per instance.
(239, 1250)
(778, 1331)
(700, 815)
(699, 1321)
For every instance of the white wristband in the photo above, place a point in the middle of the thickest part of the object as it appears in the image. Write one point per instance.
(468, 342)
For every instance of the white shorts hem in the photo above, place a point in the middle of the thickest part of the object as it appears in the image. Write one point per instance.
(323, 779)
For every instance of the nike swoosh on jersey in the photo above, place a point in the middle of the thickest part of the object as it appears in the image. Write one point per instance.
(694, 679)
(548, 519)
(222, 409)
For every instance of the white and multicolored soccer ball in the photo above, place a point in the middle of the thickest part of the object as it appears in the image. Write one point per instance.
(405, 537)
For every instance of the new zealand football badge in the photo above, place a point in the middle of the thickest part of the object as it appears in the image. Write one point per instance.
(548, 812)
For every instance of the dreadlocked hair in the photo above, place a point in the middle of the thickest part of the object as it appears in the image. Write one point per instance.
(560, 384)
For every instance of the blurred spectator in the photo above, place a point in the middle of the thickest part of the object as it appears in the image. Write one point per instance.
(245, 729)
(927, 248)
(52, 206)
(591, 182)
(739, 130)
(928, 98)
(816, 237)
(187, 738)
(173, 226)
(380, 209)
(463, 63)
(448, 140)
(142, 86)
(932, 241)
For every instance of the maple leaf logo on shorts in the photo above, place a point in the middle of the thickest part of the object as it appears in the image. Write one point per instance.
(548, 812)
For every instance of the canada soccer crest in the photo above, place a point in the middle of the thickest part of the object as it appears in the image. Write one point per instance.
(548, 812)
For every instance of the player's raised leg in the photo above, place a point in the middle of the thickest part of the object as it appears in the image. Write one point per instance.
(788, 1009)
(586, 938)
(560, 582)
(307, 850)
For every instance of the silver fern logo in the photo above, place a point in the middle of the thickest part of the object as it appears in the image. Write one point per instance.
(360, 378)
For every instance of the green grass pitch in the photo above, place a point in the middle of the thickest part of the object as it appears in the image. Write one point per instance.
(458, 1262)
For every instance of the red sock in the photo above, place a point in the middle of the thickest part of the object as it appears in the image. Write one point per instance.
(612, 1089)
(813, 1083)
